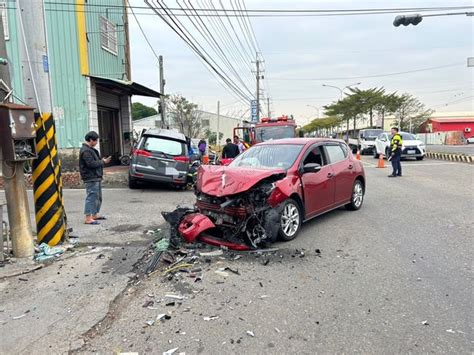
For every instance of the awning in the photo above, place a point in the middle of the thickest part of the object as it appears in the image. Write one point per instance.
(129, 87)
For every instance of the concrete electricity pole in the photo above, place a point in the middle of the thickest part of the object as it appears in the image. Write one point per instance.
(218, 138)
(268, 108)
(258, 77)
(14, 181)
(162, 92)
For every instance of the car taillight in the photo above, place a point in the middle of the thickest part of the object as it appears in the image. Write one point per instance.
(181, 159)
(141, 153)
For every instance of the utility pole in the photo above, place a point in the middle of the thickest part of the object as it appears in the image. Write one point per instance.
(258, 77)
(162, 92)
(268, 108)
(218, 140)
(14, 181)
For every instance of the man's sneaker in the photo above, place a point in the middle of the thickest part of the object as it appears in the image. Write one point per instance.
(392, 175)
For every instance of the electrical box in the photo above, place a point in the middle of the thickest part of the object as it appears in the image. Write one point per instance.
(17, 132)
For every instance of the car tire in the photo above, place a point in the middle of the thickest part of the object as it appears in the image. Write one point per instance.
(357, 196)
(420, 158)
(290, 220)
(376, 156)
(132, 183)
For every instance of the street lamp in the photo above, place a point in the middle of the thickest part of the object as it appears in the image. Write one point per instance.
(341, 90)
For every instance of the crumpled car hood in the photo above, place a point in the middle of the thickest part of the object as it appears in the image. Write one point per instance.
(223, 181)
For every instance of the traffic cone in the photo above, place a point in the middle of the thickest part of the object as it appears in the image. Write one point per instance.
(381, 163)
(358, 154)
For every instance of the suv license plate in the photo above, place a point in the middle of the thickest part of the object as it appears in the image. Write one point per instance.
(411, 151)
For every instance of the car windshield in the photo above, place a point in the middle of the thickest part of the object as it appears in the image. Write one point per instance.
(163, 145)
(408, 137)
(268, 156)
(371, 133)
(263, 134)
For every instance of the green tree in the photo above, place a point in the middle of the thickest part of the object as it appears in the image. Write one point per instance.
(211, 136)
(140, 110)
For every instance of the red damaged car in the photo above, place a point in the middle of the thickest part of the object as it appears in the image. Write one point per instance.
(268, 191)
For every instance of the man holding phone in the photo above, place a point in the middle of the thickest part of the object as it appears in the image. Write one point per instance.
(91, 167)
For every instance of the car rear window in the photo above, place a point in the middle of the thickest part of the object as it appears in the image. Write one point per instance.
(163, 145)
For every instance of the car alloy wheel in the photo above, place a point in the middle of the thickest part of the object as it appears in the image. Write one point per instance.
(357, 197)
(290, 220)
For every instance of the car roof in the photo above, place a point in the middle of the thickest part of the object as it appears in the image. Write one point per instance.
(300, 141)
(166, 133)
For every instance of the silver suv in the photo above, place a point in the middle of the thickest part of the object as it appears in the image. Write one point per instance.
(161, 156)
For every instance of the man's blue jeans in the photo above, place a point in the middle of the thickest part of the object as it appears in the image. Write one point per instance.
(93, 198)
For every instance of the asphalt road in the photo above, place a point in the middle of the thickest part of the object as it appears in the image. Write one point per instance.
(394, 277)
(467, 149)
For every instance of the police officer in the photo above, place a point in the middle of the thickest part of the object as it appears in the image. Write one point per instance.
(396, 152)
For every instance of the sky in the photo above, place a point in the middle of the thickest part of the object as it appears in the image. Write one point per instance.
(296, 49)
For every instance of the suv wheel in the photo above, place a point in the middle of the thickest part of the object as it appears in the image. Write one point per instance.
(132, 183)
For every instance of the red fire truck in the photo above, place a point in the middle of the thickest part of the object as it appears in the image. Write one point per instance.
(267, 129)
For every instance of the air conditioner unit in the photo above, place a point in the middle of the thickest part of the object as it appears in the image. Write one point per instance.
(467, 129)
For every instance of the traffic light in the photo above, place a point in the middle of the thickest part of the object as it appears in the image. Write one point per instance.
(407, 20)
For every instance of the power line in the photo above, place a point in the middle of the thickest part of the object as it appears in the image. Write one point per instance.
(455, 101)
(255, 12)
(143, 32)
(370, 76)
(209, 38)
(200, 52)
(399, 9)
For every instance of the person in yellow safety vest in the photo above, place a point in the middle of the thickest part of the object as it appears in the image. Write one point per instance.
(396, 152)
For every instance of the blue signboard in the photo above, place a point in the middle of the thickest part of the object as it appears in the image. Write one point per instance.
(45, 64)
(254, 110)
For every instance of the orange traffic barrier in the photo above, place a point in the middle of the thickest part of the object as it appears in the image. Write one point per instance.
(358, 154)
(205, 159)
(381, 163)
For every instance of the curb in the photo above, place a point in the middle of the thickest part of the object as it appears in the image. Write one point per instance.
(462, 158)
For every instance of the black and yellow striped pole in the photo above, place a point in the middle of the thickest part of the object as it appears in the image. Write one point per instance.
(47, 184)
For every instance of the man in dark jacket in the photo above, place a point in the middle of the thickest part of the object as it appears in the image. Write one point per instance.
(230, 150)
(91, 167)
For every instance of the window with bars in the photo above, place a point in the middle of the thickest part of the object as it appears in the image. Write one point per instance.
(3, 9)
(108, 35)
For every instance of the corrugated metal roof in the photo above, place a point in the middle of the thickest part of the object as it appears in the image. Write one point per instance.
(453, 120)
(131, 87)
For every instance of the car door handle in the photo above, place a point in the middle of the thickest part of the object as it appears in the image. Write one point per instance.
(330, 175)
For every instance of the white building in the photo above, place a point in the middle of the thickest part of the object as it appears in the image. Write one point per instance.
(209, 120)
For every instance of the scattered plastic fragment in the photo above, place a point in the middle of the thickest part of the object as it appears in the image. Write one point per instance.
(451, 331)
(232, 270)
(217, 252)
(425, 322)
(170, 351)
(277, 330)
(250, 333)
(207, 319)
(176, 297)
(46, 252)
(150, 322)
(20, 316)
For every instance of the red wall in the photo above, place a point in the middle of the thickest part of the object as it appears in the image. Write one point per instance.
(453, 126)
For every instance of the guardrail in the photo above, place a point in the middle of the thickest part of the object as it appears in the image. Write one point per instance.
(463, 158)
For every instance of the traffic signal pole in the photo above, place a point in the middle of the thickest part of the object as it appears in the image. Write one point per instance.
(14, 181)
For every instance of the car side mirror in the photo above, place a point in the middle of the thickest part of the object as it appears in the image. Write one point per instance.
(311, 168)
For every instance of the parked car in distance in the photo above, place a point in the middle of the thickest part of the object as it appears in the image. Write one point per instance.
(412, 147)
(161, 156)
(365, 141)
(470, 140)
(269, 190)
